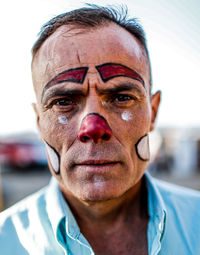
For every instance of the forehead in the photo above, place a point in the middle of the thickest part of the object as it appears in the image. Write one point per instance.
(70, 48)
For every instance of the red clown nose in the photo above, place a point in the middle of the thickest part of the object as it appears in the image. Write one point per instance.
(94, 127)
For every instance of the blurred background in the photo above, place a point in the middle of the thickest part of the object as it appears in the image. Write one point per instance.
(173, 36)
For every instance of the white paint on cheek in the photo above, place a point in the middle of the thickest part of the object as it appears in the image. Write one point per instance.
(126, 116)
(142, 148)
(53, 157)
(62, 120)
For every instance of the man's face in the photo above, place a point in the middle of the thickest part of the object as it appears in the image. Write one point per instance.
(94, 110)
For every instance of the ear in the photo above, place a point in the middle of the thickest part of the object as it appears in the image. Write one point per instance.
(155, 102)
(35, 108)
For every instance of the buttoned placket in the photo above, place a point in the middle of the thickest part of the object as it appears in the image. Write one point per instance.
(157, 218)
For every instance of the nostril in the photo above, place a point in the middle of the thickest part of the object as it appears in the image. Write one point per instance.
(84, 138)
(106, 137)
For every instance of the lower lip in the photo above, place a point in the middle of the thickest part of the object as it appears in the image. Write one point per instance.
(96, 167)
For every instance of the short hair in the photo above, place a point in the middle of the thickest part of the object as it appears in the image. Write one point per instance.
(93, 16)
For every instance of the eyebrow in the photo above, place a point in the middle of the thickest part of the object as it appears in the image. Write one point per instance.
(73, 75)
(76, 75)
(122, 87)
(61, 92)
(108, 71)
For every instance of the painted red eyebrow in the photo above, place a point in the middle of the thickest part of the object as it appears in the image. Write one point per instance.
(108, 71)
(71, 75)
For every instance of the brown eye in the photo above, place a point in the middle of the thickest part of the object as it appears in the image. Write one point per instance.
(122, 98)
(64, 102)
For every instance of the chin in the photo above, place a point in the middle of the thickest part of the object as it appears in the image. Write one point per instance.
(99, 192)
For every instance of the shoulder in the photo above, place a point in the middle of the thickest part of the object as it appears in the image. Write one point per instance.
(180, 203)
(29, 227)
(22, 206)
(179, 195)
(16, 222)
(173, 196)
(182, 225)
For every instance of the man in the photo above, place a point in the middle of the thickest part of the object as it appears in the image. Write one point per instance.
(92, 79)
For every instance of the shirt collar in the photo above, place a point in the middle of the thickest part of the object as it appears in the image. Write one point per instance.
(55, 207)
(61, 217)
(157, 215)
(58, 209)
(156, 205)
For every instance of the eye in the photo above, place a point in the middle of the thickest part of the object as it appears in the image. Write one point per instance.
(122, 98)
(63, 102)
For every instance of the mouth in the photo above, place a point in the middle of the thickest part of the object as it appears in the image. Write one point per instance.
(95, 164)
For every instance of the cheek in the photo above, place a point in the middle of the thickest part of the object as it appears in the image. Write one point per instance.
(54, 158)
(142, 148)
(132, 125)
(142, 142)
(134, 128)
(57, 130)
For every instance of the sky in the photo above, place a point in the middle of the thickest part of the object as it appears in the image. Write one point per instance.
(173, 36)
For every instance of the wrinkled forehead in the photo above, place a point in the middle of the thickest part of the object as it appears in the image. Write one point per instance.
(70, 48)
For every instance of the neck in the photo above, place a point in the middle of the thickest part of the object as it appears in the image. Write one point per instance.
(123, 221)
(103, 214)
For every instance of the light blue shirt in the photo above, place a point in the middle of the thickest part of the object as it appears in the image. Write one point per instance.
(43, 224)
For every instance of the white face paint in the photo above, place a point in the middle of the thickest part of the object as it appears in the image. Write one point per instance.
(54, 159)
(142, 148)
(98, 178)
(126, 116)
(99, 181)
(62, 120)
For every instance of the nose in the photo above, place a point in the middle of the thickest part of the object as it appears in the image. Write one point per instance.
(94, 127)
